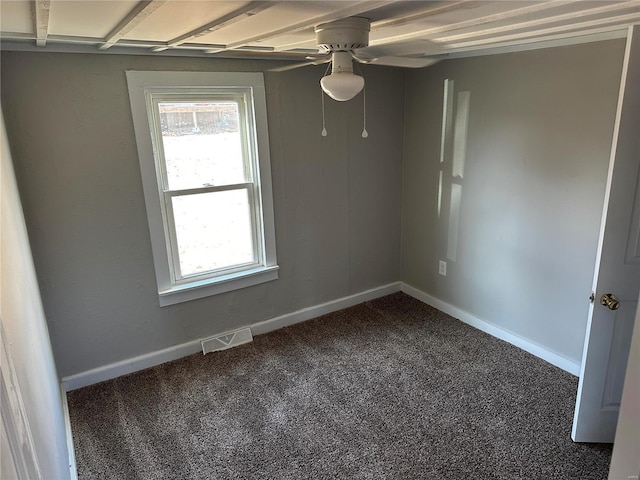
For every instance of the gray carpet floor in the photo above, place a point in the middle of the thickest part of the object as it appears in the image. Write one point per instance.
(389, 389)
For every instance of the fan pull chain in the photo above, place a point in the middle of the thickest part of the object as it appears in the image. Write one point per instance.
(365, 134)
(324, 130)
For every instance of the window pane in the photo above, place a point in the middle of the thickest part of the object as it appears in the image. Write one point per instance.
(213, 230)
(202, 144)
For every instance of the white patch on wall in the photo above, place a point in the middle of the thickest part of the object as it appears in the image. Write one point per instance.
(226, 340)
(453, 154)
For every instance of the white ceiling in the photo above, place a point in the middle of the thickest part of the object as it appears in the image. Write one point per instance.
(284, 29)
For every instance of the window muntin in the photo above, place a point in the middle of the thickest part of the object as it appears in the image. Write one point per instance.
(202, 142)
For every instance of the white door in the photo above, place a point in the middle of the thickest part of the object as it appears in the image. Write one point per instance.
(608, 337)
(625, 461)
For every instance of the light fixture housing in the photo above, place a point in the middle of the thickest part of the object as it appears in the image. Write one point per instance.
(342, 84)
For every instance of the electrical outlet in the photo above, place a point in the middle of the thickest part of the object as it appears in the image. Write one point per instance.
(442, 268)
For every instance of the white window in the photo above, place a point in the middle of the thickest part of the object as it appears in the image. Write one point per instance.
(204, 156)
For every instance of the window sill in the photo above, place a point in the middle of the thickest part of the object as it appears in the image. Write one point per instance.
(214, 286)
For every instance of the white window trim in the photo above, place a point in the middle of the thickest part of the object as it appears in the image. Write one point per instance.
(169, 293)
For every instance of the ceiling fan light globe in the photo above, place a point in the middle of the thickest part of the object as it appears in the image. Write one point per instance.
(342, 86)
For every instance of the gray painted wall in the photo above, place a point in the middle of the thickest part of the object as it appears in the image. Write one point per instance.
(540, 131)
(33, 377)
(539, 136)
(337, 201)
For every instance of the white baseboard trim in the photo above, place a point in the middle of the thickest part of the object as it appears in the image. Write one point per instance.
(130, 365)
(152, 359)
(539, 351)
(73, 472)
(322, 309)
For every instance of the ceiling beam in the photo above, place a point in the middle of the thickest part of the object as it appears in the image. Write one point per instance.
(139, 13)
(560, 39)
(41, 20)
(248, 10)
(612, 7)
(474, 22)
(17, 41)
(352, 9)
(620, 20)
(426, 13)
(151, 44)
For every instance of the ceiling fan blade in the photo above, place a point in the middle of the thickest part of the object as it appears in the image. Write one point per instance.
(392, 61)
(400, 49)
(317, 61)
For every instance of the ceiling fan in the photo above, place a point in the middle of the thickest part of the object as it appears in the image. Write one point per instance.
(342, 41)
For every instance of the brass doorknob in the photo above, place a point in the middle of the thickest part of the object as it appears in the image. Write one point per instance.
(610, 301)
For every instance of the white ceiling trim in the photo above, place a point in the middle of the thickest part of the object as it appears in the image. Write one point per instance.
(41, 20)
(149, 45)
(250, 29)
(558, 40)
(139, 13)
(543, 21)
(351, 10)
(567, 30)
(252, 8)
(18, 44)
(427, 12)
(474, 22)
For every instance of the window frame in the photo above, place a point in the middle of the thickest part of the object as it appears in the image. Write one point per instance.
(146, 91)
(154, 97)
